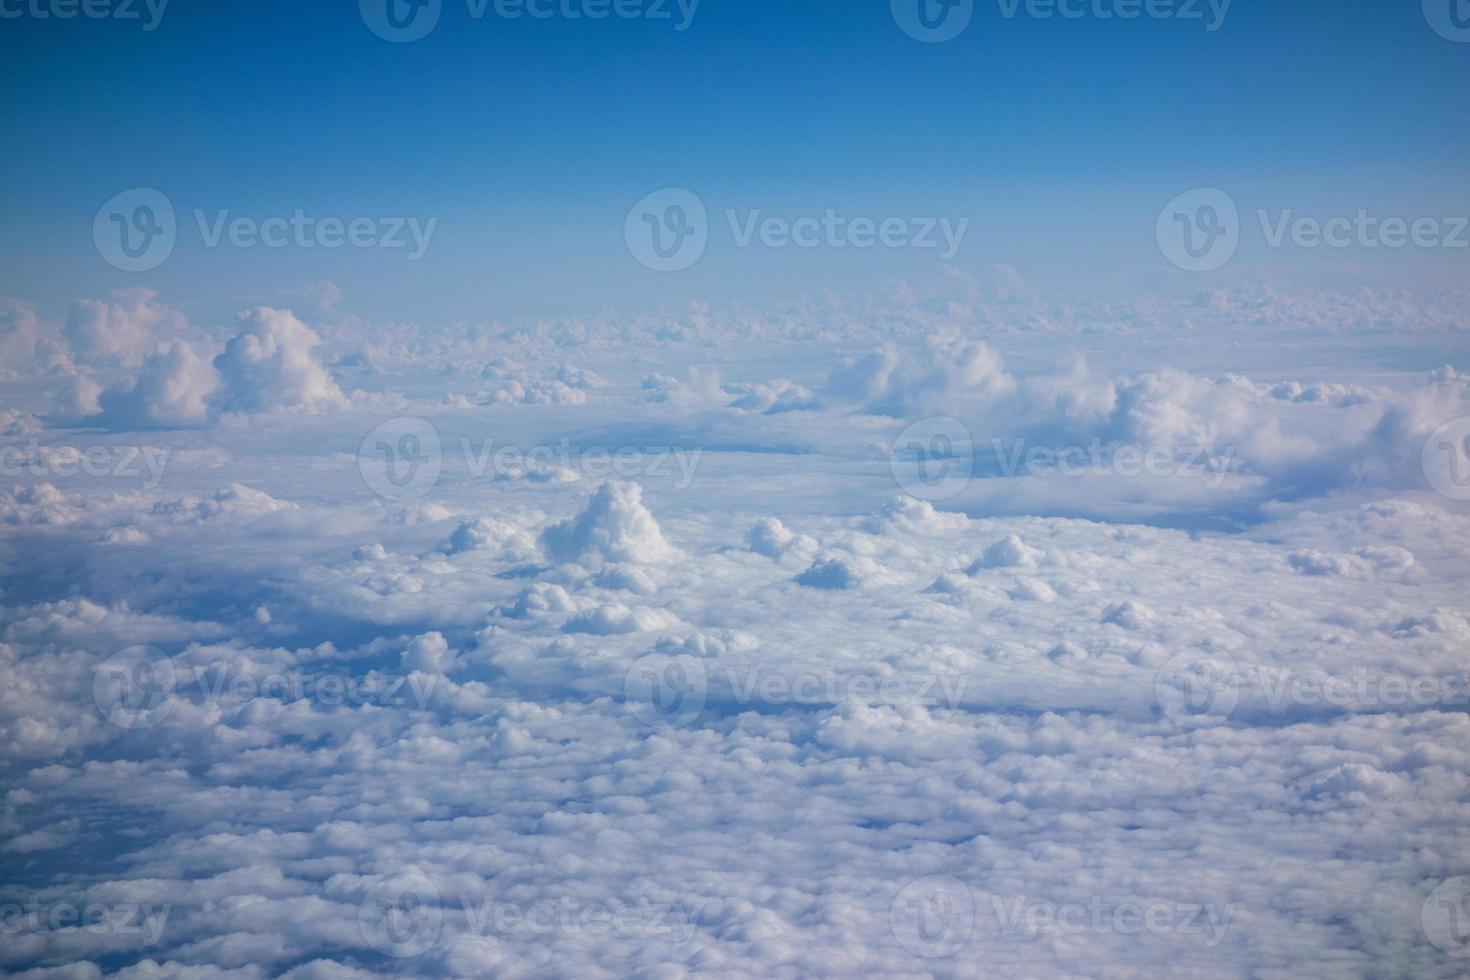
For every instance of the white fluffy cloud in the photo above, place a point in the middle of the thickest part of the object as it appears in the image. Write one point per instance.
(614, 527)
(123, 331)
(172, 389)
(270, 365)
(751, 720)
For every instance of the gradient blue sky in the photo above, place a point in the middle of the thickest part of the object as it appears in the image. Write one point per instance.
(529, 140)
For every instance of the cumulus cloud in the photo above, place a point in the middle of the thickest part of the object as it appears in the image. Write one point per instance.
(614, 527)
(270, 365)
(28, 346)
(172, 389)
(123, 330)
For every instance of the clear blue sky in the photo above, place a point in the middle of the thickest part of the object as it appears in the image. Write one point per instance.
(529, 140)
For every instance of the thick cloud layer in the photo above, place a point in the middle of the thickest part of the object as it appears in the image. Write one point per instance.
(636, 668)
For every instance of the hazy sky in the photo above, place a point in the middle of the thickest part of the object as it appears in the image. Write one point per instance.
(1059, 139)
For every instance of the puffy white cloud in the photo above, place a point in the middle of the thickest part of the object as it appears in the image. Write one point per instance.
(20, 335)
(270, 365)
(769, 537)
(946, 372)
(124, 330)
(1009, 552)
(614, 527)
(173, 389)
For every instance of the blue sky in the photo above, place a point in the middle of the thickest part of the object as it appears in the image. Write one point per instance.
(529, 140)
